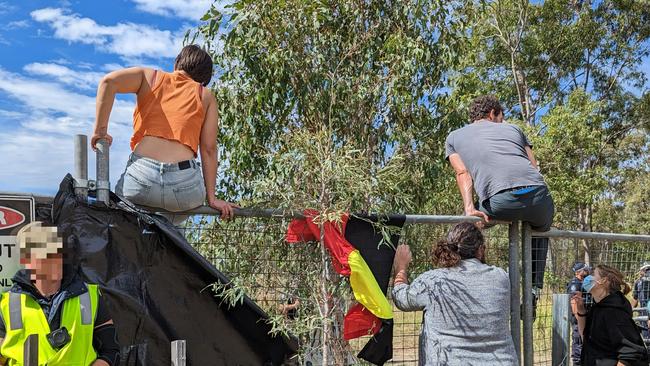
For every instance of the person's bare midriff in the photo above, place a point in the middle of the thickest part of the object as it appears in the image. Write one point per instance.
(163, 150)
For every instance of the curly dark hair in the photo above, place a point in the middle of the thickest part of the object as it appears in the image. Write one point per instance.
(482, 106)
(196, 62)
(462, 242)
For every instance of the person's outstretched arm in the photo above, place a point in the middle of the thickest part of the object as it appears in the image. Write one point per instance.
(465, 185)
(209, 162)
(407, 297)
(120, 81)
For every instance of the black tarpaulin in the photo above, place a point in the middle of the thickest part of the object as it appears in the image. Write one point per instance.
(155, 284)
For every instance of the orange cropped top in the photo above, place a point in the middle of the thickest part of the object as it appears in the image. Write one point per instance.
(173, 111)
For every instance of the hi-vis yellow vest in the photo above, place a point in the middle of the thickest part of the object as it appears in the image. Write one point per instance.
(23, 316)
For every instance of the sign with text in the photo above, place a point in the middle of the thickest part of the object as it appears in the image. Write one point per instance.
(15, 212)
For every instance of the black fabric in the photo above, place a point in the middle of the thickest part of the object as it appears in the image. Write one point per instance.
(610, 334)
(364, 236)
(105, 343)
(379, 348)
(156, 286)
(576, 344)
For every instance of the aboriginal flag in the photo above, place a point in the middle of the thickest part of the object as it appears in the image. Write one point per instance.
(355, 246)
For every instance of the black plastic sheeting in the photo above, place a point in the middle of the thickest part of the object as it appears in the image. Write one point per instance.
(155, 284)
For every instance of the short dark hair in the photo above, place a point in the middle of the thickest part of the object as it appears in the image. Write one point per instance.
(482, 106)
(196, 62)
(462, 242)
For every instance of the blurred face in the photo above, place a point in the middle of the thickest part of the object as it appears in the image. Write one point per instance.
(50, 268)
(583, 273)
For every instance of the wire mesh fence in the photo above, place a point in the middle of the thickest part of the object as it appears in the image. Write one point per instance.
(282, 278)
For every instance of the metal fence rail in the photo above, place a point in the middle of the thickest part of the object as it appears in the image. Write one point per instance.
(253, 252)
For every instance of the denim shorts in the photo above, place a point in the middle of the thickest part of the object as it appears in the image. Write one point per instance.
(151, 183)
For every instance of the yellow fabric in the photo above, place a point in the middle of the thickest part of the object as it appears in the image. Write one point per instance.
(78, 352)
(366, 289)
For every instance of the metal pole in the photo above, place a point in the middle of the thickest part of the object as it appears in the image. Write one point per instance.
(555, 233)
(527, 266)
(30, 350)
(295, 214)
(103, 182)
(81, 166)
(561, 330)
(178, 353)
(515, 287)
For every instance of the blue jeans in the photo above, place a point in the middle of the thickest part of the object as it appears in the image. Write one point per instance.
(148, 182)
(533, 205)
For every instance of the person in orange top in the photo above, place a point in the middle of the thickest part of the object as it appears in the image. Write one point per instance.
(175, 117)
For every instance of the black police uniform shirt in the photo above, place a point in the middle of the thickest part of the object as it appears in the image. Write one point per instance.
(575, 285)
(641, 291)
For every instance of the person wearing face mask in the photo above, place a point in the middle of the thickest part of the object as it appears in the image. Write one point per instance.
(581, 270)
(466, 303)
(610, 336)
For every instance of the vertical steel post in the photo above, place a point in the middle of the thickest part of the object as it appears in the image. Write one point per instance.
(515, 287)
(81, 166)
(103, 182)
(527, 269)
(178, 353)
(30, 350)
(561, 330)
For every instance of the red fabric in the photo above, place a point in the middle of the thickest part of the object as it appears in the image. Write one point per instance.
(301, 230)
(360, 322)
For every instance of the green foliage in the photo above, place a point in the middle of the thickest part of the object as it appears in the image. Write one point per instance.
(367, 73)
(568, 149)
(344, 106)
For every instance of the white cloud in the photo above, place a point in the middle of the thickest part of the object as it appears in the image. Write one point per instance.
(37, 136)
(36, 162)
(186, 9)
(6, 8)
(65, 75)
(111, 67)
(17, 24)
(128, 40)
(50, 97)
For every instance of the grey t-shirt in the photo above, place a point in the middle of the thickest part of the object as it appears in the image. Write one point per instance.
(495, 156)
(466, 315)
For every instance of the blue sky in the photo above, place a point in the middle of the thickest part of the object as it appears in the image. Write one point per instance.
(53, 55)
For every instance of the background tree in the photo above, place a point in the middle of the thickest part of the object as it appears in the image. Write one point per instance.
(325, 105)
(345, 105)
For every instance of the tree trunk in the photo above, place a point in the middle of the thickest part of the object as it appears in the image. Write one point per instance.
(584, 217)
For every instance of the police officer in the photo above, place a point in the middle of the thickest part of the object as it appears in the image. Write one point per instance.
(68, 315)
(581, 270)
(641, 295)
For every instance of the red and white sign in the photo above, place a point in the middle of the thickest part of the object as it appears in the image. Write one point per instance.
(15, 212)
(10, 217)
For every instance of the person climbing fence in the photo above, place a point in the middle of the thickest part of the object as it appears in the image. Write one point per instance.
(175, 119)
